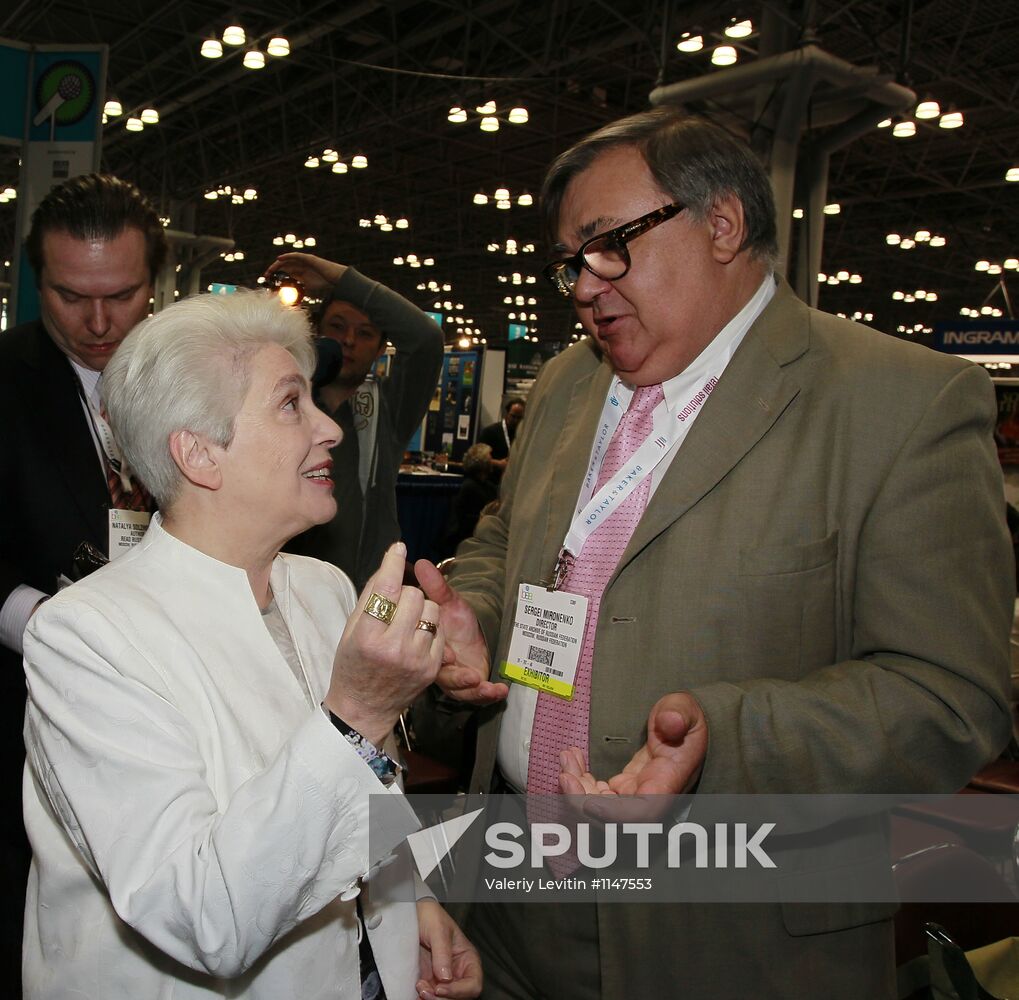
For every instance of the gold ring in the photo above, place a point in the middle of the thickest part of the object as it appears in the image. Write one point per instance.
(427, 626)
(380, 607)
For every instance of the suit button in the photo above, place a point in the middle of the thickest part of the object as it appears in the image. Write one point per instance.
(373, 921)
(351, 892)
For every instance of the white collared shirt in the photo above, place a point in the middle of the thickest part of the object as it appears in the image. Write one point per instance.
(518, 719)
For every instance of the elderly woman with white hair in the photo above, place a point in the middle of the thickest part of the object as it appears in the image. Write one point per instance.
(206, 717)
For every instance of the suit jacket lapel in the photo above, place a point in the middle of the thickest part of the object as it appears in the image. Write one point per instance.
(750, 396)
(570, 457)
(65, 441)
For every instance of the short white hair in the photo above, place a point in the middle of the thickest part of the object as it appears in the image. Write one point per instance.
(187, 368)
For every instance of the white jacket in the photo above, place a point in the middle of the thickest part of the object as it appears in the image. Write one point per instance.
(198, 830)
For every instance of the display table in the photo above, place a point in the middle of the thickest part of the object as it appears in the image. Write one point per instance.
(424, 499)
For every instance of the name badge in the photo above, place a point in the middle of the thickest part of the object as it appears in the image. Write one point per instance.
(548, 630)
(127, 528)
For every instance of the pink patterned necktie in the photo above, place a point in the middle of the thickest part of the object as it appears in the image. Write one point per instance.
(559, 724)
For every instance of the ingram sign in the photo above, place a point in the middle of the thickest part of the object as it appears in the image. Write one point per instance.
(978, 337)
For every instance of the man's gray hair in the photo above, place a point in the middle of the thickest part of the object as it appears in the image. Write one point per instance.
(477, 458)
(691, 159)
(187, 368)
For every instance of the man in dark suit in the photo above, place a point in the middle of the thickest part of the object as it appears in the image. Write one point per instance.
(787, 606)
(95, 246)
(500, 437)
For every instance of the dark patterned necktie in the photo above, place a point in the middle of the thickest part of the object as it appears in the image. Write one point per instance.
(136, 498)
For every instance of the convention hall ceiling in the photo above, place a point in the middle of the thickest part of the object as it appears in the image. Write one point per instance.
(378, 79)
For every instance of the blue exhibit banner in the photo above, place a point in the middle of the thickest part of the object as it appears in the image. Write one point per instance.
(53, 107)
(978, 336)
(14, 63)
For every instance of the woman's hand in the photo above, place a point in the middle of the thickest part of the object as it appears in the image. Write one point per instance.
(450, 964)
(380, 668)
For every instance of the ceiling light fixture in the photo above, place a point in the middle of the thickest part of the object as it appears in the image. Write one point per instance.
(150, 116)
(904, 129)
(234, 35)
(134, 125)
(254, 59)
(927, 109)
(278, 47)
(489, 116)
(951, 119)
(359, 162)
(724, 55)
(503, 198)
(212, 48)
(690, 43)
(739, 29)
(113, 108)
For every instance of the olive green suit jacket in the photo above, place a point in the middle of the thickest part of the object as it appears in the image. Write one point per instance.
(825, 567)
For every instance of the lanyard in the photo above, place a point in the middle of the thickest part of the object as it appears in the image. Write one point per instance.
(593, 509)
(668, 433)
(104, 435)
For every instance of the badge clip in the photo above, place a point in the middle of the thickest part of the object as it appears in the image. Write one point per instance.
(562, 566)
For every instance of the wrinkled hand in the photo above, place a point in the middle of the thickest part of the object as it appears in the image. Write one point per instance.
(317, 274)
(450, 965)
(379, 669)
(465, 665)
(669, 763)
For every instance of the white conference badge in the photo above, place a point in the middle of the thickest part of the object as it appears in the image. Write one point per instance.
(548, 630)
(127, 528)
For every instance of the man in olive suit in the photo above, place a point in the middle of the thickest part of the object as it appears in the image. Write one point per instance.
(812, 596)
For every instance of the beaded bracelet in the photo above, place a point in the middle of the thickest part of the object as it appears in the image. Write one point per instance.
(383, 766)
